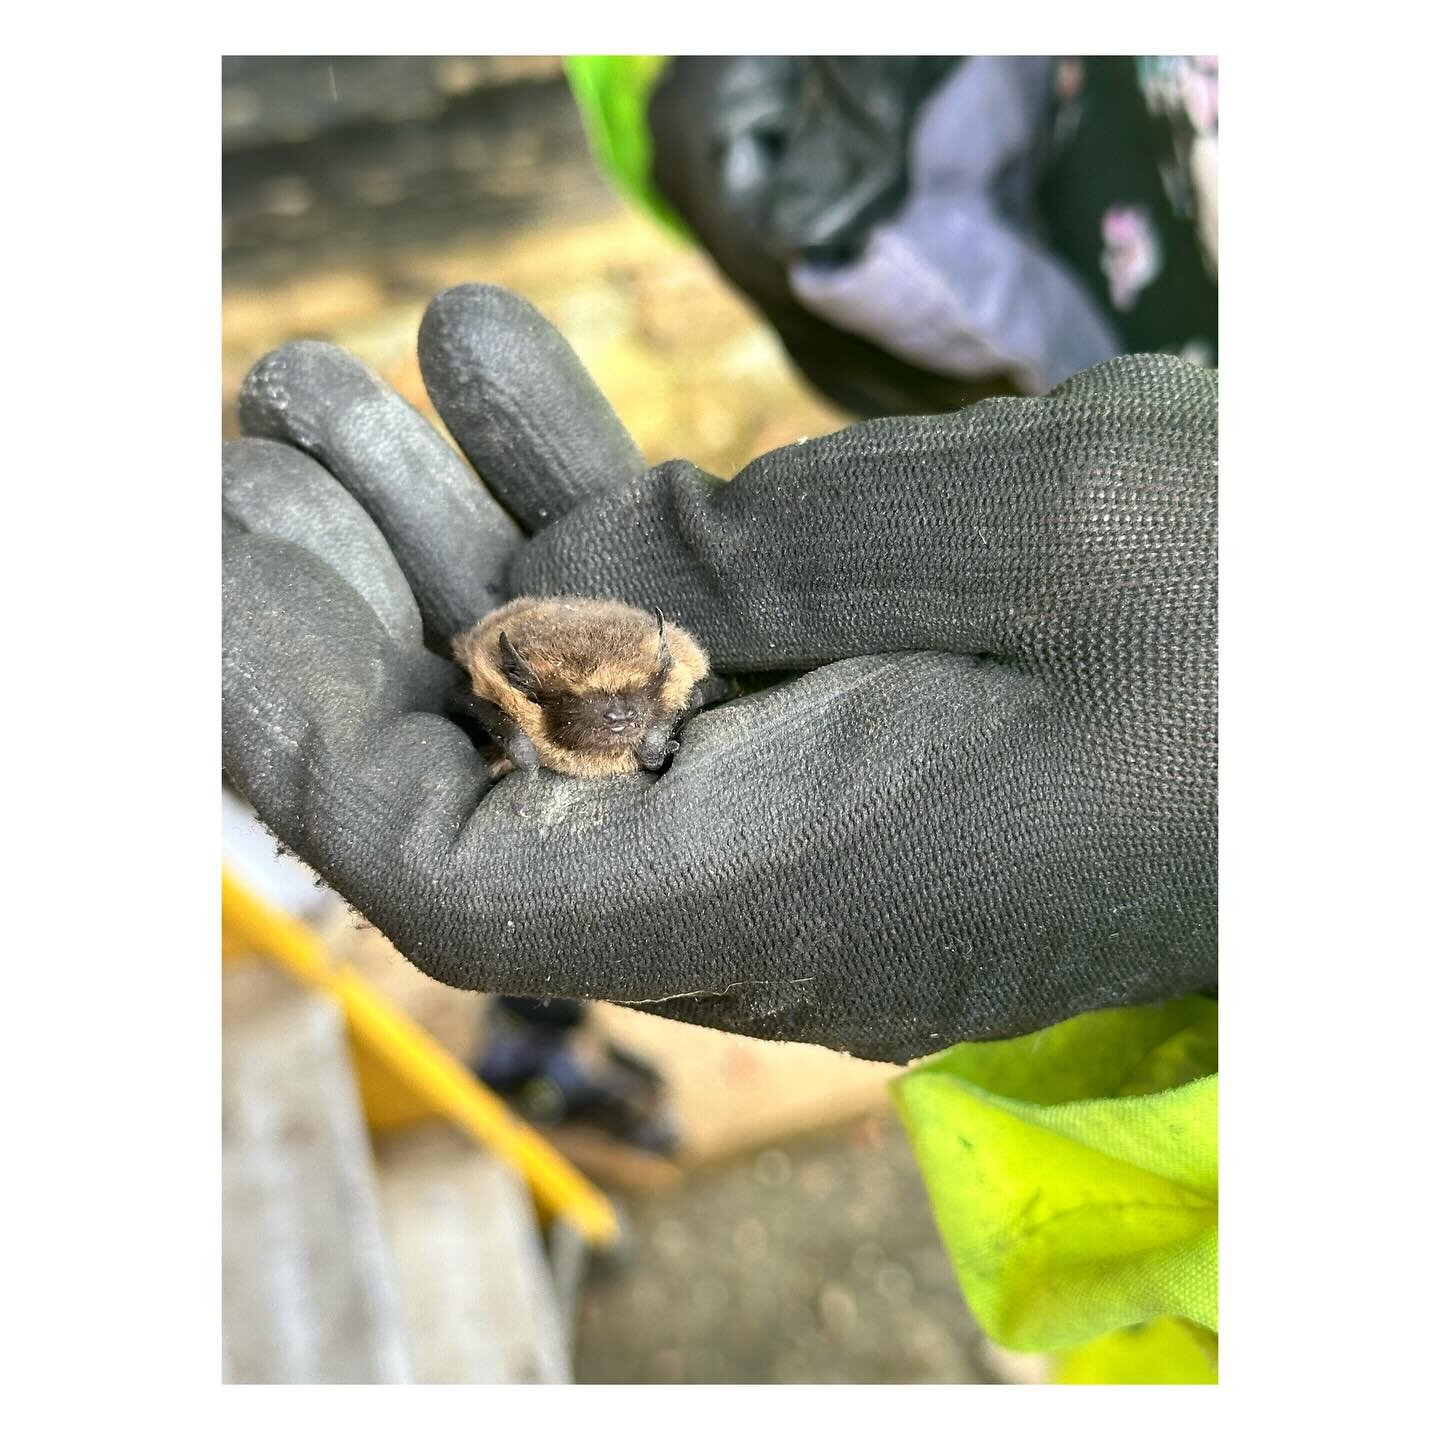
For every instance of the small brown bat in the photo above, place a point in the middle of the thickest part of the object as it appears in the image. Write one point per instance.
(585, 687)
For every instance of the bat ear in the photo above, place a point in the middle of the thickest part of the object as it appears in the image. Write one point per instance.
(518, 670)
(663, 660)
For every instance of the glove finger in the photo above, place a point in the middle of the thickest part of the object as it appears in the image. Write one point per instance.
(272, 489)
(450, 538)
(1014, 527)
(331, 726)
(520, 404)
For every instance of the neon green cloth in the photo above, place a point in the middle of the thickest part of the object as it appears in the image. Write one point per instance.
(1163, 1352)
(612, 92)
(1074, 1179)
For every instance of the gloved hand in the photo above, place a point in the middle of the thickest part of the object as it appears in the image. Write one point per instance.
(989, 806)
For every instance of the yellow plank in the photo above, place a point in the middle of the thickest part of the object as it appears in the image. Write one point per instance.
(395, 1043)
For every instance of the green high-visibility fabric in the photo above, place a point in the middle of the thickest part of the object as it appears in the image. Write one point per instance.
(1074, 1175)
(612, 92)
(1162, 1352)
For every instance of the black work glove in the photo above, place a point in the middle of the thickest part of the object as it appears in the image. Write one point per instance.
(723, 130)
(990, 805)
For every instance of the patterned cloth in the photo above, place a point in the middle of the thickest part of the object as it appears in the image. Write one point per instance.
(1122, 203)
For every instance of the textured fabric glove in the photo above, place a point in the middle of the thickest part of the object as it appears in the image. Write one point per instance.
(988, 805)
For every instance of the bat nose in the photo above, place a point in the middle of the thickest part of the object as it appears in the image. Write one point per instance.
(619, 716)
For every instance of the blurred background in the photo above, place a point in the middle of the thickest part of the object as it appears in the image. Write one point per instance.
(343, 216)
(777, 1228)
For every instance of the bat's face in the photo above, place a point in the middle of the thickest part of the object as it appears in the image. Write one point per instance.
(599, 713)
(603, 720)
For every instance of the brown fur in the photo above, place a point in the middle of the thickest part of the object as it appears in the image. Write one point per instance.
(579, 647)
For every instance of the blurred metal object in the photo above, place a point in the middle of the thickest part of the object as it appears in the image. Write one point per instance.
(308, 1288)
(481, 1305)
